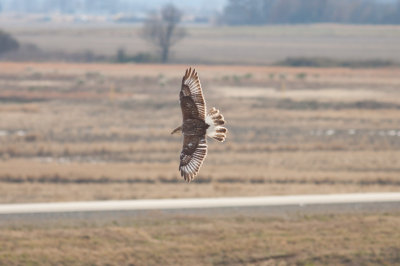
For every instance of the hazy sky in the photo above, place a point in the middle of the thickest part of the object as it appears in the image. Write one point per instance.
(203, 4)
(190, 7)
(137, 5)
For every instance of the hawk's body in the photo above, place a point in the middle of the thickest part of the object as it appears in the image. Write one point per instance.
(196, 125)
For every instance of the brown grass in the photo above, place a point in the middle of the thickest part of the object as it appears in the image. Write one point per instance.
(353, 239)
(87, 127)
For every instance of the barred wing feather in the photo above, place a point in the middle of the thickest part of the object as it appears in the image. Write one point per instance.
(193, 153)
(191, 96)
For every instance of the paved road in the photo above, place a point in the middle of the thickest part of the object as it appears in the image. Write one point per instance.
(392, 199)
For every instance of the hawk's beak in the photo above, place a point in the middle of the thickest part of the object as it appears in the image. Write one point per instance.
(176, 130)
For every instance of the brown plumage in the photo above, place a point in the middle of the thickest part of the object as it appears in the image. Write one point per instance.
(196, 125)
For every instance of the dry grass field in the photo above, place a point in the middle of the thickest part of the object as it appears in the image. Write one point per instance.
(71, 132)
(335, 239)
(223, 45)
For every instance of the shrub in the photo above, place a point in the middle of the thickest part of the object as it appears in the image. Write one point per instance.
(7, 42)
(123, 57)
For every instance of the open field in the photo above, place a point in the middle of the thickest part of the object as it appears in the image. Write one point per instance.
(351, 239)
(223, 45)
(101, 131)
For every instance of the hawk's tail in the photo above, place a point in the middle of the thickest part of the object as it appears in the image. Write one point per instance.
(216, 122)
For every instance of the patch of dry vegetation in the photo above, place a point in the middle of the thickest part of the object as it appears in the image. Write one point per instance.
(353, 239)
(86, 128)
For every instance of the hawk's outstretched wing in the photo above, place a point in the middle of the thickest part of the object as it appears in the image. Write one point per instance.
(192, 156)
(191, 96)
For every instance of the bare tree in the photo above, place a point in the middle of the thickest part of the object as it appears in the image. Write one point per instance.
(162, 30)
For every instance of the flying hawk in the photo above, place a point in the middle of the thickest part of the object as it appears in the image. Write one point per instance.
(196, 125)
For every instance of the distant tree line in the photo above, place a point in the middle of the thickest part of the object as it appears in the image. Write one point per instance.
(259, 12)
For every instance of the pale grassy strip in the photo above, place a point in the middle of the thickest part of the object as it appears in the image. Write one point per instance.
(251, 45)
(380, 75)
(50, 192)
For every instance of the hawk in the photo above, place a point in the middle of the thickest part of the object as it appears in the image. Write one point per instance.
(196, 125)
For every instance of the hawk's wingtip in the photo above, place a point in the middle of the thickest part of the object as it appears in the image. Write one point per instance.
(191, 69)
